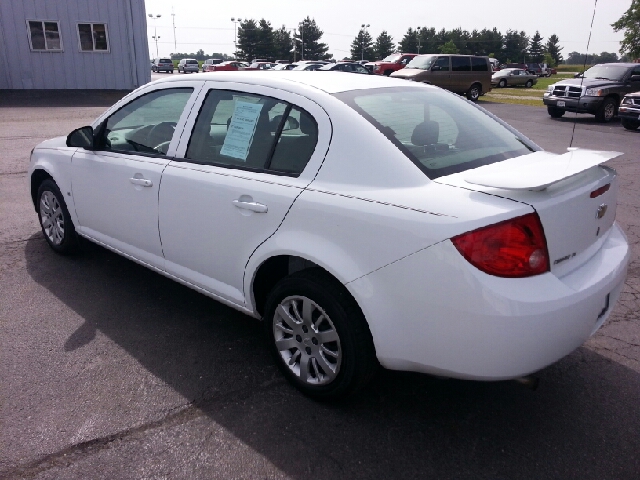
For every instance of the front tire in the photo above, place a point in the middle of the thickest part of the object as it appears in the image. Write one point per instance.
(555, 112)
(474, 92)
(318, 336)
(630, 124)
(55, 220)
(607, 110)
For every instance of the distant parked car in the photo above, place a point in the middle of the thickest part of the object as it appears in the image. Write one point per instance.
(261, 66)
(511, 77)
(228, 66)
(310, 65)
(285, 66)
(162, 65)
(188, 65)
(391, 63)
(536, 69)
(629, 111)
(210, 61)
(349, 67)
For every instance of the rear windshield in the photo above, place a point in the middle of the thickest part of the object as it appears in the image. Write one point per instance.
(437, 130)
(165, 60)
(191, 61)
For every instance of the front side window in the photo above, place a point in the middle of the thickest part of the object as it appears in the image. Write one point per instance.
(44, 35)
(248, 131)
(147, 124)
(436, 130)
(93, 37)
(442, 63)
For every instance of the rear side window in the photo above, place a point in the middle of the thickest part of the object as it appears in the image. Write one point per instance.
(436, 130)
(255, 132)
(460, 64)
(479, 64)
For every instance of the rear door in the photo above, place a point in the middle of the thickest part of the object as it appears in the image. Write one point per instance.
(245, 156)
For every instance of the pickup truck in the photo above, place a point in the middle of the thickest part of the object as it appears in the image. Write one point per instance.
(390, 64)
(597, 91)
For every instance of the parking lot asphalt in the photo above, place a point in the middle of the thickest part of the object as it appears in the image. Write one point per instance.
(108, 370)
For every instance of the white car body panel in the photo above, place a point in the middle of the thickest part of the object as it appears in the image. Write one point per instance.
(365, 213)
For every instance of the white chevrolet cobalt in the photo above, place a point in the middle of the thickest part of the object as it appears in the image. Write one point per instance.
(365, 220)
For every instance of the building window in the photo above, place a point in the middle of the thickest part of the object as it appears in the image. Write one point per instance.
(44, 35)
(93, 37)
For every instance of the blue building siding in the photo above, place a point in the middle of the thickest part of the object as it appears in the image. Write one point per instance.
(124, 66)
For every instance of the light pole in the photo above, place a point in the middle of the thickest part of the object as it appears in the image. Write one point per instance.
(155, 30)
(235, 34)
(364, 28)
(301, 25)
(419, 39)
(175, 44)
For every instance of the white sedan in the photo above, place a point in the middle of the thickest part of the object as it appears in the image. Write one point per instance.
(365, 220)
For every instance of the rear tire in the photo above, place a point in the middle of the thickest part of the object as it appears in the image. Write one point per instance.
(529, 84)
(55, 221)
(318, 336)
(474, 92)
(607, 110)
(630, 124)
(502, 83)
(555, 112)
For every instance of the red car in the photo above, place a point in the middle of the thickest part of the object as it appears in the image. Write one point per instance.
(228, 66)
(392, 63)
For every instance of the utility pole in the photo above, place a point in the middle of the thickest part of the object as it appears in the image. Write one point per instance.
(364, 29)
(419, 39)
(235, 34)
(155, 30)
(175, 45)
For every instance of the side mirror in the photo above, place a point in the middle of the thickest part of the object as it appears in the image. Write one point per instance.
(435, 68)
(635, 78)
(81, 138)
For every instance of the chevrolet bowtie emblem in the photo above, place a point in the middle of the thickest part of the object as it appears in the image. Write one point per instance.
(602, 209)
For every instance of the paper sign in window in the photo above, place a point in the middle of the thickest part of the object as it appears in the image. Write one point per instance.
(241, 129)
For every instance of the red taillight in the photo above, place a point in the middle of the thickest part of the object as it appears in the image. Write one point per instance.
(513, 248)
(600, 191)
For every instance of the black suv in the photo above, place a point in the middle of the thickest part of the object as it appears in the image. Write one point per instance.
(597, 91)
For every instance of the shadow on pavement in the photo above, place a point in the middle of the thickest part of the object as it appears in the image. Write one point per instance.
(582, 422)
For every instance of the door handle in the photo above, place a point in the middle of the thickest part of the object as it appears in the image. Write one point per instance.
(253, 206)
(141, 181)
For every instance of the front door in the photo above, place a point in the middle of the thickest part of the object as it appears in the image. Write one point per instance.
(115, 188)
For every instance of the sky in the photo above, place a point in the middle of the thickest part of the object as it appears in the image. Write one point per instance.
(207, 24)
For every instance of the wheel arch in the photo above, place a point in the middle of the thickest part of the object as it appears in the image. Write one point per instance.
(38, 176)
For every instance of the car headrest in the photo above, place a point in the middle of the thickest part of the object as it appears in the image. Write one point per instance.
(426, 133)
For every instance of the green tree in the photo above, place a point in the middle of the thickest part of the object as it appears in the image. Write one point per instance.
(461, 39)
(265, 46)
(282, 44)
(409, 43)
(515, 46)
(536, 50)
(308, 38)
(384, 46)
(362, 46)
(553, 48)
(630, 23)
(486, 42)
(427, 40)
(248, 40)
(449, 47)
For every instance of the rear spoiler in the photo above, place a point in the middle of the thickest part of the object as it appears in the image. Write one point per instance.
(537, 170)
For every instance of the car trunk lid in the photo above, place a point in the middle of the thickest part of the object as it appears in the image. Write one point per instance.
(573, 194)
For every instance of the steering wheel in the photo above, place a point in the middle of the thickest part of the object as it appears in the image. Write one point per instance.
(161, 134)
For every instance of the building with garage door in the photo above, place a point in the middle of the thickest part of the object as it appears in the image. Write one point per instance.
(73, 44)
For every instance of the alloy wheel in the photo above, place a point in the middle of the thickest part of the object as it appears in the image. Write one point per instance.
(52, 218)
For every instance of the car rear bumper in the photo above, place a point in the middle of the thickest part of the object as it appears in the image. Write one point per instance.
(164, 69)
(579, 105)
(433, 312)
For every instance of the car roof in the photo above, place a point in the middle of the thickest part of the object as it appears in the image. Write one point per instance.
(299, 81)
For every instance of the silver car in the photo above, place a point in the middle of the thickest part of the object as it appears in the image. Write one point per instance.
(188, 65)
(513, 77)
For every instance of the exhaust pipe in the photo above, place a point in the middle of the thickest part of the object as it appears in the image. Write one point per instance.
(529, 381)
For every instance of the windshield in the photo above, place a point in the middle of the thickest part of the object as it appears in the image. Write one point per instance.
(391, 58)
(609, 72)
(422, 62)
(437, 130)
